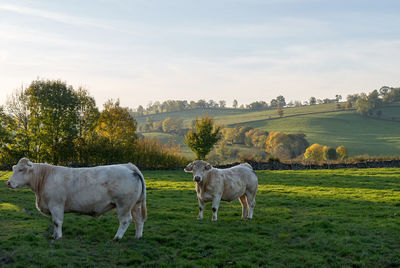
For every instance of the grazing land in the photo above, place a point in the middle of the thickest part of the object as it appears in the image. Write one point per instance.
(329, 218)
(321, 123)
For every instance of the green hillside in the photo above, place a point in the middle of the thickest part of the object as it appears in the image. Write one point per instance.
(321, 123)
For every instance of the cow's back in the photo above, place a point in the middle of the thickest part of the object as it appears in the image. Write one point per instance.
(96, 190)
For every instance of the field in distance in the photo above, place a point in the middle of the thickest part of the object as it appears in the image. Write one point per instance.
(322, 124)
(329, 218)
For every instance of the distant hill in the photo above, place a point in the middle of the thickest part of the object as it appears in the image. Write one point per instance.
(322, 123)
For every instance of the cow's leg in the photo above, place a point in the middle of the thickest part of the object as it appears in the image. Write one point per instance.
(251, 199)
(125, 218)
(243, 202)
(138, 218)
(201, 208)
(215, 206)
(57, 214)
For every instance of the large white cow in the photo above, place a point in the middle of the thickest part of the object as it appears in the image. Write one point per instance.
(91, 191)
(213, 184)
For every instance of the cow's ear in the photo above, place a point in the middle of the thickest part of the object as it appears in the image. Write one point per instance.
(208, 167)
(189, 168)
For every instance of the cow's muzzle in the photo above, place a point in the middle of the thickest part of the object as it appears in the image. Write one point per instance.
(197, 178)
(9, 184)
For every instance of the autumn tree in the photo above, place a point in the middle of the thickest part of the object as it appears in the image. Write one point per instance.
(279, 111)
(88, 116)
(315, 152)
(202, 138)
(341, 152)
(286, 145)
(117, 128)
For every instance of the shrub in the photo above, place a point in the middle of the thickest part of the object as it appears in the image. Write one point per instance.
(315, 152)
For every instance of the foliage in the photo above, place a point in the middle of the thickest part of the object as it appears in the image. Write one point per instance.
(279, 111)
(329, 153)
(329, 218)
(50, 121)
(341, 152)
(53, 118)
(315, 152)
(284, 145)
(202, 138)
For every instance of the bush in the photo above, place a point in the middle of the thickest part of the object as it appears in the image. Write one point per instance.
(315, 152)
(284, 145)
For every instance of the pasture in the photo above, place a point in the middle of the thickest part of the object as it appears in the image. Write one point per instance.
(321, 123)
(317, 218)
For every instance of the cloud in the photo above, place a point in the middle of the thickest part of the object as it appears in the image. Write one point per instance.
(58, 17)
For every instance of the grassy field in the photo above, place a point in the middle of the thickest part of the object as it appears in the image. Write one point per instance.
(321, 123)
(329, 218)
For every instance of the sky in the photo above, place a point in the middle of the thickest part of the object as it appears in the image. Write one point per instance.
(140, 51)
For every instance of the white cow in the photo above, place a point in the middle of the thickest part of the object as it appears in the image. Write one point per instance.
(91, 191)
(213, 184)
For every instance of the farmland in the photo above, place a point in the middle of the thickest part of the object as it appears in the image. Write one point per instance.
(321, 123)
(334, 218)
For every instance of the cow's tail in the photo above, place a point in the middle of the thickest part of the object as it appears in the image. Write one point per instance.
(142, 198)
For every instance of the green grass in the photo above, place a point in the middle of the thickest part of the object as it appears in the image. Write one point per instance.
(361, 136)
(329, 218)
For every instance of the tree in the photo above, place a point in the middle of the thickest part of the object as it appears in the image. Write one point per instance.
(362, 105)
(281, 101)
(88, 116)
(313, 101)
(202, 138)
(222, 104)
(117, 129)
(286, 145)
(53, 120)
(279, 111)
(341, 152)
(329, 153)
(349, 105)
(18, 111)
(5, 139)
(235, 104)
(315, 152)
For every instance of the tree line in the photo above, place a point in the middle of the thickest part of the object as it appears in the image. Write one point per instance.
(52, 122)
(368, 104)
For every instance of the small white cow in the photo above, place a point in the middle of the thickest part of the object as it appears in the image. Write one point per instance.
(91, 191)
(213, 184)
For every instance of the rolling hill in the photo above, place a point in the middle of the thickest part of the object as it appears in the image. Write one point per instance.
(324, 124)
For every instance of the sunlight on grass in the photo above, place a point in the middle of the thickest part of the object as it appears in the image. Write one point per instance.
(9, 206)
(372, 195)
(169, 185)
(4, 175)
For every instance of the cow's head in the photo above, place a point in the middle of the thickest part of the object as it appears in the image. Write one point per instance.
(199, 168)
(21, 173)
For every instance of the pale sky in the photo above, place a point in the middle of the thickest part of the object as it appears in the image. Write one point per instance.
(143, 50)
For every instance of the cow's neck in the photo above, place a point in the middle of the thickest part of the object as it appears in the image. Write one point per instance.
(40, 175)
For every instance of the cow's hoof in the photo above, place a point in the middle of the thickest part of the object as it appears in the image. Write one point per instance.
(117, 239)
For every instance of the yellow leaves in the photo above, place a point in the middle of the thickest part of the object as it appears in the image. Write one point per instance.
(314, 152)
